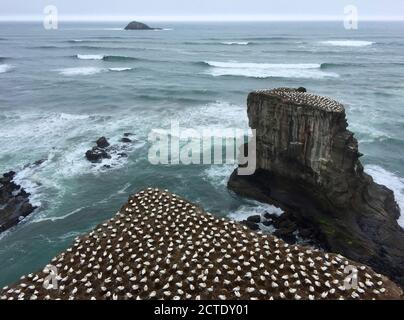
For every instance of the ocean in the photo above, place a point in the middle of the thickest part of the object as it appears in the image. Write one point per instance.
(62, 89)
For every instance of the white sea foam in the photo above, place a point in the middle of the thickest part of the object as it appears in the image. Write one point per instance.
(5, 68)
(240, 43)
(86, 71)
(218, 175)
(40, 218)
(119, 69)
(348, 43)
(392, 181)
(80, 71)
(68, 116)
(90, 56)
(268, 70)
(253, 208)
(29, 179)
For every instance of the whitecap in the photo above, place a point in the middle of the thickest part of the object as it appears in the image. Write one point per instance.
(90, 56)
(348, 43)
(80, 71)
(218, 175)
(29, 180)
(68, 116)
(5, 68)
(393, 182)
(240, 43)
(253, 208)
(53, 219)
(268, 70)
(119, 69)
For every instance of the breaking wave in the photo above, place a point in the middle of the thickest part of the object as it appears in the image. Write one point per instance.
(348, 43)
(5, 68)
(86, 71)
(105, 58)
(267, 70)
(393, 182)
(240, 43)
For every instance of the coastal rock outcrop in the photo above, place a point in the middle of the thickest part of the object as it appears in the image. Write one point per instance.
(14, 202)
(159, 246)
(308, 164)
(135, 25)
(96, 154)
(104, 150)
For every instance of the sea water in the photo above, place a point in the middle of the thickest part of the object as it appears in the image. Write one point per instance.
(62, 89)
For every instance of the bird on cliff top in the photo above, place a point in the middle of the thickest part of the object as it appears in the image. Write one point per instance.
(162, 247)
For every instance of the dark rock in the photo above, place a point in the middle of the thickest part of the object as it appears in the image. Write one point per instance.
(126, 140)
(135, 25)
(14, 202)
(270, 216)
(102, 143)
(96, 154)
(128, 134)
(308, 164)
(253, 226)
(39, 162)
(255, 219)
(122, 155)
(267, 223)
(286, 236)
(301, 89)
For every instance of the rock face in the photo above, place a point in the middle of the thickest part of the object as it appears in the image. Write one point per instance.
(135, 25)
(96, 154)
(159, 246)
(308, 164)
(14, 202)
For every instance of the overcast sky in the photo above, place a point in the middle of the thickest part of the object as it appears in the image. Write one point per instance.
(200, 9)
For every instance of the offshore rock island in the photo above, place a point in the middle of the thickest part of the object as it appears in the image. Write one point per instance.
(308, 164)
(159, 246)
(135, 25)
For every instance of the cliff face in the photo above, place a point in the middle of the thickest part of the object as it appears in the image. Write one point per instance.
(308, 163)
(159, 246)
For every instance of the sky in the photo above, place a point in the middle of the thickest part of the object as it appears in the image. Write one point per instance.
(201, 9)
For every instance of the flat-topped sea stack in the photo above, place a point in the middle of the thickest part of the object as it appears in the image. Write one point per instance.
(308, 164)
(135, 25)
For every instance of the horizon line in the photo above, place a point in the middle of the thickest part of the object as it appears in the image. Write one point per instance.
(196, 18)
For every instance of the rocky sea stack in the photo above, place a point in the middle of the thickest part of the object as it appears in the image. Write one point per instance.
(308, 164)
(159, 246)
(135, 25)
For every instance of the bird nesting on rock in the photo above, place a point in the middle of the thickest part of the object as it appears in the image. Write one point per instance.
(159, 246)
(301, 97)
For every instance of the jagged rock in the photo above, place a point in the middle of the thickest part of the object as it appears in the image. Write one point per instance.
(301, 89)
(308, 164)
(96, 154)
(252, 225)
(128, 134)
(14, 202)
(126, 140)
(102, 143)
(255, 219)
(135, 25)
